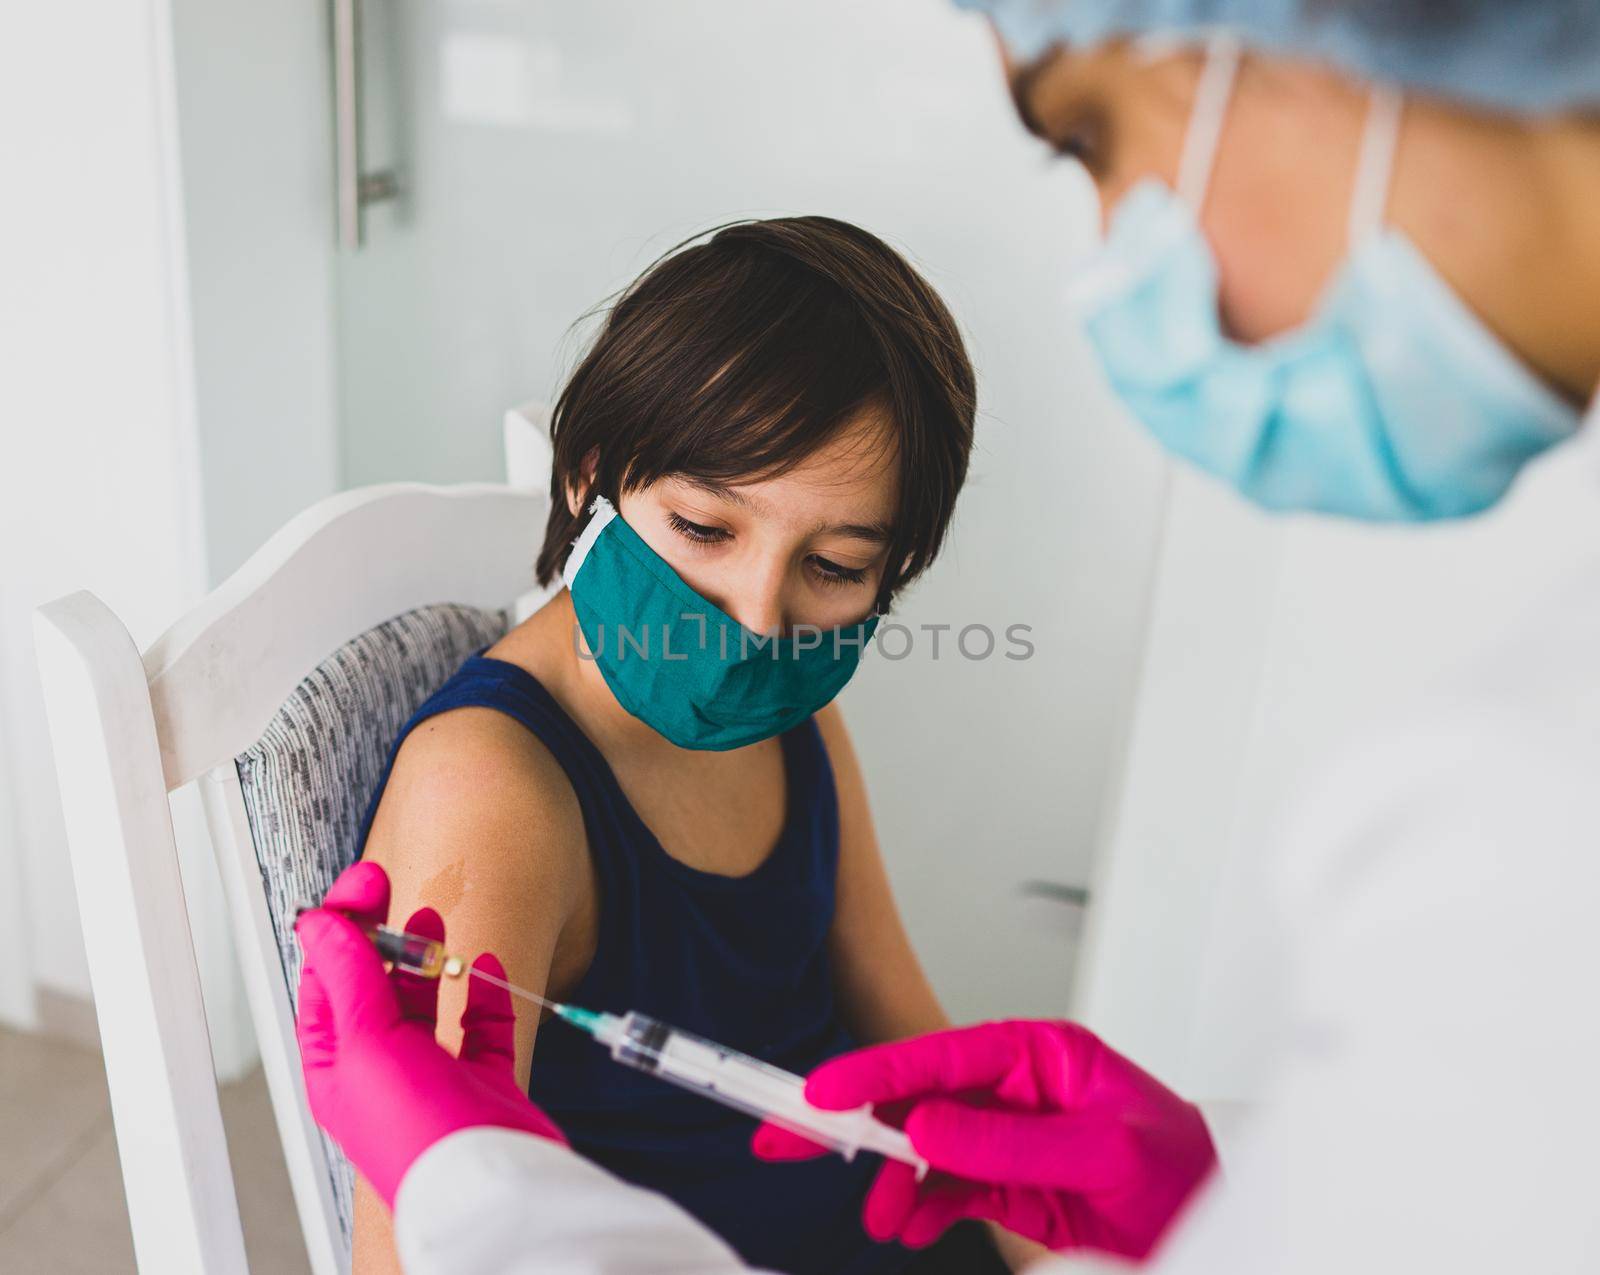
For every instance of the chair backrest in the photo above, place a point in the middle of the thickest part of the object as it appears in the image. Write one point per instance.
(281, 694)
(305, 783)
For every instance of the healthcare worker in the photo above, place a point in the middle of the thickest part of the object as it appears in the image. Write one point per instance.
(1420, 328)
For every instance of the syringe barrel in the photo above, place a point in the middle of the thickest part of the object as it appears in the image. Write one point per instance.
(757, 1088)
(409, 951)
(641, 1042)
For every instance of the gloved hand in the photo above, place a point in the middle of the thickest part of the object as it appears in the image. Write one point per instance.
(1035, 1125)
(376, 1079)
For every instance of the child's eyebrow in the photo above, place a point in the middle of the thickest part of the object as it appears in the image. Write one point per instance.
(721, 491)
(876, 532)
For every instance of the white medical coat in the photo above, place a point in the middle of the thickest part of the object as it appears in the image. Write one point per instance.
(1437, 1107)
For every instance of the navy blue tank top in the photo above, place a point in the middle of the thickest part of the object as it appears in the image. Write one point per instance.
(741, 960)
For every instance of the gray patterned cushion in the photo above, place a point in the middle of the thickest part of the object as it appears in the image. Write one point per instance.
(308, 779)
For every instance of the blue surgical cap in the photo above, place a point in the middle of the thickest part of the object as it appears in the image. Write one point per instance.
(1513, 55)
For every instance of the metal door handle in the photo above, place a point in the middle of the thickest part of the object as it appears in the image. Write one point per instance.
(356, 189)
(1057, 892)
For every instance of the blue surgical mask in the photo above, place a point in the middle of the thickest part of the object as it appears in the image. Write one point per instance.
(1392, 403)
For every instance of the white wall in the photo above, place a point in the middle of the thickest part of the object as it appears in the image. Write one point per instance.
(167, 335)
(552, 150)
(97, 488)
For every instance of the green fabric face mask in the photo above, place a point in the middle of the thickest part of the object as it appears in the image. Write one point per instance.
(685, 668)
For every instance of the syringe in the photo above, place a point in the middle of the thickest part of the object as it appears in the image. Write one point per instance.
(691, 1062)
(423, 956)
(739, 1081)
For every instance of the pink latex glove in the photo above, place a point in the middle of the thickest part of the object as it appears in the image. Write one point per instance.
(1035, 1125)
(376, 1079)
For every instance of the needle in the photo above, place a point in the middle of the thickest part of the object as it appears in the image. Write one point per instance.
(513, 988)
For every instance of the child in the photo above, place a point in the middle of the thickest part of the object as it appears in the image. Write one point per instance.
(640, 798)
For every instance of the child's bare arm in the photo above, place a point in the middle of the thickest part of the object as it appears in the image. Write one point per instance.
(479, 823)
(883, 991)
(885, 994)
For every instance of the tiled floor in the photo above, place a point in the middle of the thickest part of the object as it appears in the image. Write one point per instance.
(61, 1203)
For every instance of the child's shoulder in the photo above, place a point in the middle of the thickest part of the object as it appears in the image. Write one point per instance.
(474, 777)
(474, 752)
(478, 820)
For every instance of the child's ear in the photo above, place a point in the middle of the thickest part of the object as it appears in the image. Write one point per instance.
(578, 486)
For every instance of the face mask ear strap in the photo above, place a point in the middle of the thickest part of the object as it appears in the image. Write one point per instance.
(1206, 117)
(600, 513)
(1375, 166)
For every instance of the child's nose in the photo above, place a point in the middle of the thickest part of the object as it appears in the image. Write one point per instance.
(760, 604)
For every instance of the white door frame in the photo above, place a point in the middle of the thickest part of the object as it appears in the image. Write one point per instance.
(251, 123)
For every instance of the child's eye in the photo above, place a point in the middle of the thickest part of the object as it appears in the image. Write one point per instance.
(695, 531)
(834, 573)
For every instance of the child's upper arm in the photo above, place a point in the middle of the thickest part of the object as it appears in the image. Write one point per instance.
(881, 982)
(479, 822)
(881, 985)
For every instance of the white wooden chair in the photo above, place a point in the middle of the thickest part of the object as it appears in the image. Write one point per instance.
(338, 626)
